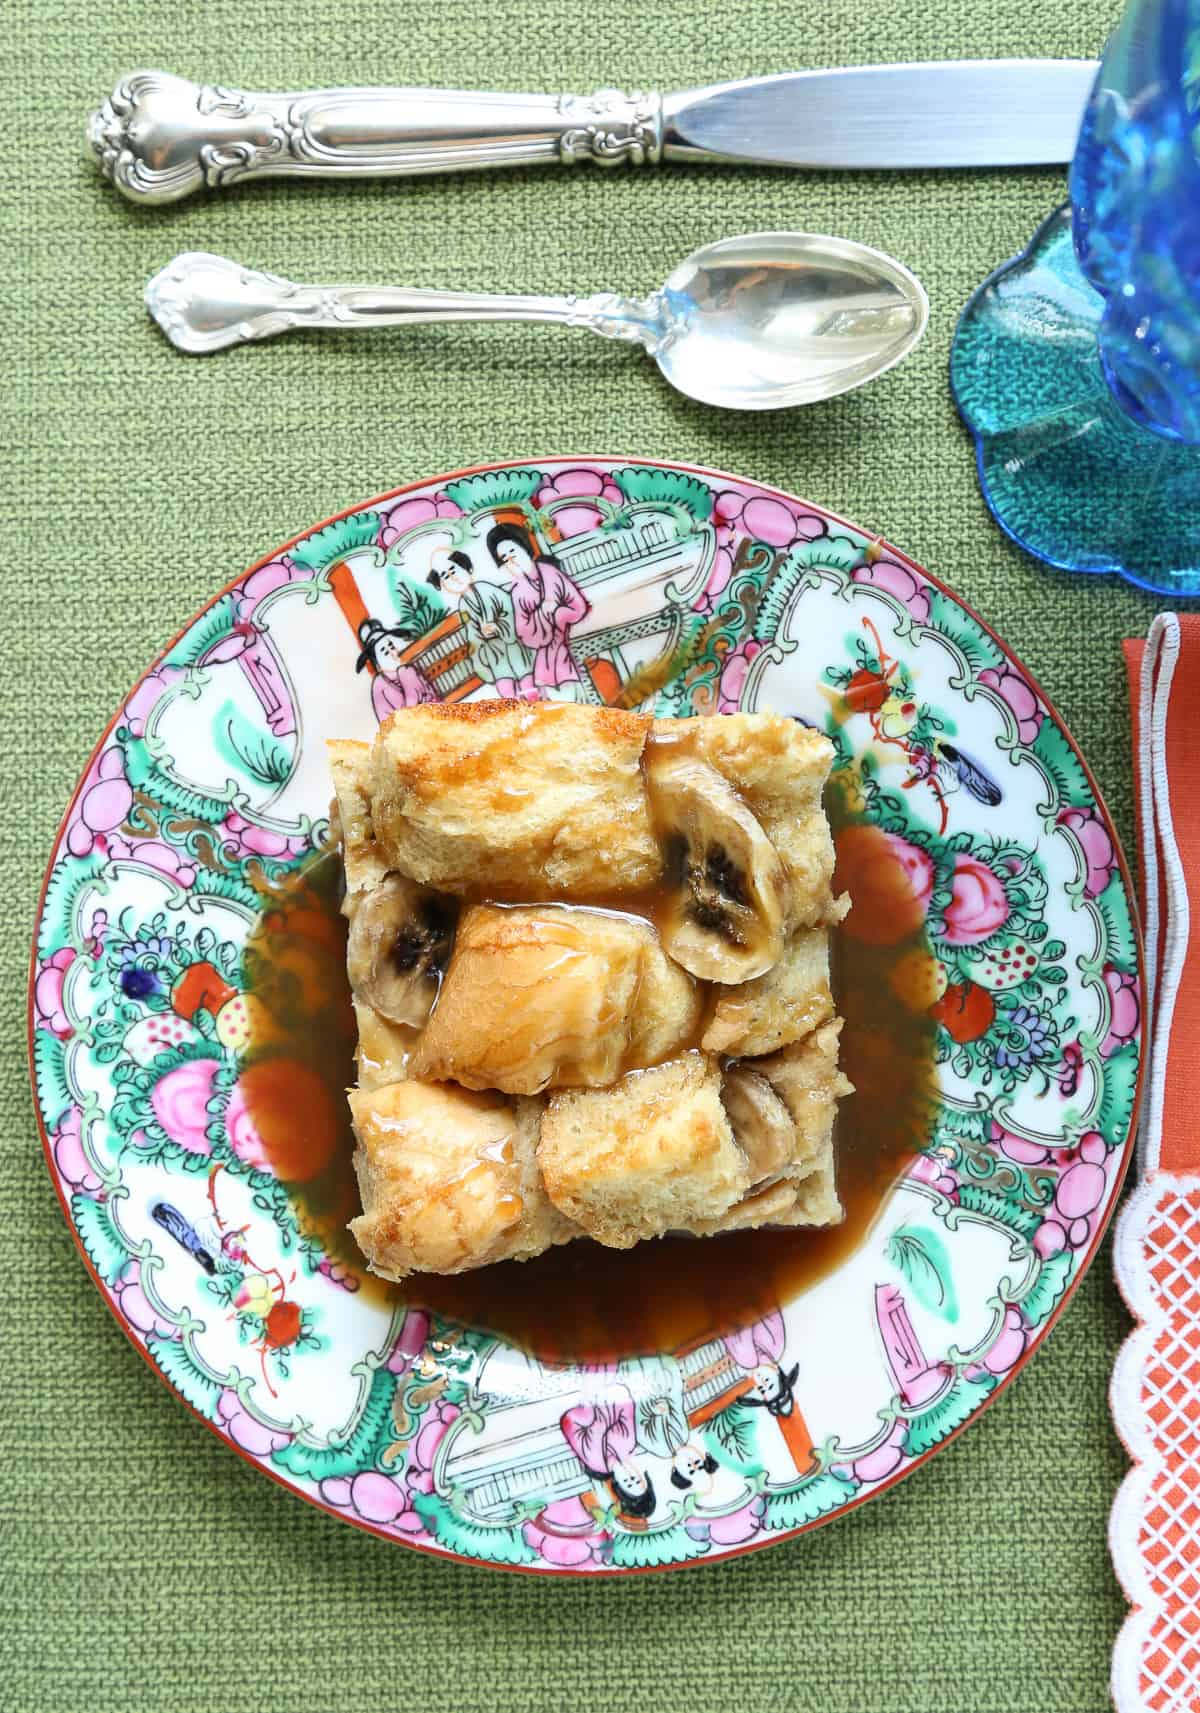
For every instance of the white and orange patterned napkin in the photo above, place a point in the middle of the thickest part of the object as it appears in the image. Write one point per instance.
(1154, 1532)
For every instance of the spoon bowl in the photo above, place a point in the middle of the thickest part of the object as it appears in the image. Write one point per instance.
(786, 318)
(752, 323)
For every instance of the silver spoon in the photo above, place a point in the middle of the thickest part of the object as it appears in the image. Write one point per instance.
(751, 323)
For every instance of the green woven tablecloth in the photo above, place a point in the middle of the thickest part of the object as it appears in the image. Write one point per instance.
(144, 1567)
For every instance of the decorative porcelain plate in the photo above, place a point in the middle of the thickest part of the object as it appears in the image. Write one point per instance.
(591, 1411)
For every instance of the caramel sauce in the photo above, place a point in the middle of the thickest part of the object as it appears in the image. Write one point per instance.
(579, 1302)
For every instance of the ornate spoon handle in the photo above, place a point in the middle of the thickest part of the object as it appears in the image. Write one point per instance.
(204, 303)
(160, 137)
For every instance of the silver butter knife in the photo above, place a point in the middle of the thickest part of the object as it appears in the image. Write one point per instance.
(159, 137)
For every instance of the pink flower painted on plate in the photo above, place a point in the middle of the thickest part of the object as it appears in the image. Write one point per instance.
(103, 805)
(48, 994)
(432, 1432)
(978, 907)
(1078, 1198)
(769, 520)
(917, 868)
(1098, 854)
(733, 675)
(244, 1139)
(582, 484)
(67, 1146)
(338, 1275)
(1022, 703)
(1017, 1148)
(935, 1170)
(180, 1101)
(242, 1428)
(378, 1498)
(1010, 1346)
(728, 507)
(896, 580)
(1126, 1004)
(765, 518)
(263, 582)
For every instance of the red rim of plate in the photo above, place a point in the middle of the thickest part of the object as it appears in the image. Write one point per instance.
(890, 1481)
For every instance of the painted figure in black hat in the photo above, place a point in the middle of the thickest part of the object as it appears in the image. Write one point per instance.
(395, 684)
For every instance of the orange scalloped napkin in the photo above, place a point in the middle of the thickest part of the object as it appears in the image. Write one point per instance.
(1154, 1530)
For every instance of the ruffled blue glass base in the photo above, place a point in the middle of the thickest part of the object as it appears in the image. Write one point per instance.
(1065, 471)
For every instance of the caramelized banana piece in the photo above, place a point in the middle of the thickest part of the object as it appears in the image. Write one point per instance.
(398, 948)
(778, 767)
(791, 1000)
(762, 1125)
(726, 887)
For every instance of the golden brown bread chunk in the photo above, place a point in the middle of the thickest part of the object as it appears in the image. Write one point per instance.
(530, 799)
(652, 1154)
(550, 997)
(776, 763)
(448, 1180)
(791, 1000)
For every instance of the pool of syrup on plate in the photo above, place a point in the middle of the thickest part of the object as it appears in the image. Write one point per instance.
(581, 1301)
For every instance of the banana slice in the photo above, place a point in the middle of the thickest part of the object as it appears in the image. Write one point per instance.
(762, 1125)
(401, 936)
(727, 889)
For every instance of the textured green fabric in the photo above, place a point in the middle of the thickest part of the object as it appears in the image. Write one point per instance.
(145, 1567)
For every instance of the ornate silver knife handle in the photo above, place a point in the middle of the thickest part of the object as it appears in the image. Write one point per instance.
(160, 137)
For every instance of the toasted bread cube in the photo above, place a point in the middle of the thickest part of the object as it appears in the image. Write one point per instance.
(807, 1080)
(448, 1180)
(807, 1196)
(535, 800)
(654, 1153)
(547, 997)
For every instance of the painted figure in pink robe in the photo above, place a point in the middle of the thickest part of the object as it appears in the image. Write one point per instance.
(546, 603)
(395, 684)
(603, 1436)
(758, 1350)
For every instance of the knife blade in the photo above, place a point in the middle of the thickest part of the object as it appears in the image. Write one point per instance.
(160, 137)
(951, 113)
